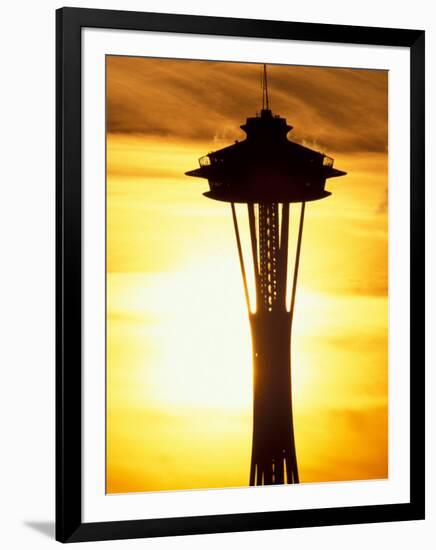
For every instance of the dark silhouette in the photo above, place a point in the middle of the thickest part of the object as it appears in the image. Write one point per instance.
(264, 171)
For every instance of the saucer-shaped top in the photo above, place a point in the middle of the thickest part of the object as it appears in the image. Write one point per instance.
(266, 166)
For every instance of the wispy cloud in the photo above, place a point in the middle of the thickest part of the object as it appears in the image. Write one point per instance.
(340, 110)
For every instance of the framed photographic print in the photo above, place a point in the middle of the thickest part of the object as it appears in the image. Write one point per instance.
(240, 274)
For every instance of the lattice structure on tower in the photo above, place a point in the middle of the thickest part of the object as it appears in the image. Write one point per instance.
(269, 250)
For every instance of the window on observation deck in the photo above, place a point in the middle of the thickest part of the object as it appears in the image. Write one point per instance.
(327, 161)
(204, 161)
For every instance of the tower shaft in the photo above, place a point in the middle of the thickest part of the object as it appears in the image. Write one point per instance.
(273, 452)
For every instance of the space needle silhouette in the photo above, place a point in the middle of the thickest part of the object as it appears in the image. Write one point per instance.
(268, 172)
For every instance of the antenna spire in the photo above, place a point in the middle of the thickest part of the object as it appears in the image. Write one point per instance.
(265, 98)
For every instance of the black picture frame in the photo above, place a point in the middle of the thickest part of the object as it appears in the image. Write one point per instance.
(69, 525)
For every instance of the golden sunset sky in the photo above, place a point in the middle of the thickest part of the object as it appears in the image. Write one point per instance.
(179, 374)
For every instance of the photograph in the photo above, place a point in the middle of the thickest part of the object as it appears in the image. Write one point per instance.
(246, 274)
(217, 258)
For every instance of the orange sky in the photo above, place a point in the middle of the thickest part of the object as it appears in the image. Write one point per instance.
(179, 402)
